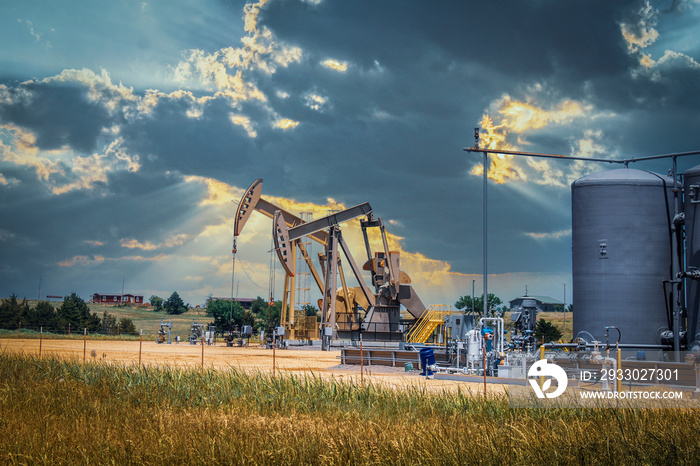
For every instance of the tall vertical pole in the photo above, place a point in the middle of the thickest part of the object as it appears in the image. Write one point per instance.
(473, 283)
(486, 275)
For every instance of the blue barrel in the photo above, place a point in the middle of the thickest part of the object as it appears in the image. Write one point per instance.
(427, 358)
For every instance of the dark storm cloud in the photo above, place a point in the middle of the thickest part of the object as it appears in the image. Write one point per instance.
(76, 226)
(389, 130)
(169, 139)
(524, 39)
(58, 114)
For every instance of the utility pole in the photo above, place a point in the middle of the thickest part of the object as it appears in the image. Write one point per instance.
(486, 170)
(473, 282)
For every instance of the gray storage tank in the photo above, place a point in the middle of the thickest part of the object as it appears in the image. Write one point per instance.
(691, 189)
(621, 249)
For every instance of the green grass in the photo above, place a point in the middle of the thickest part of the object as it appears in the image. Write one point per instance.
(64, 412)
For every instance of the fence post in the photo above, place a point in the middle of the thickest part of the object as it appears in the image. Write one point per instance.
(84, 342)
(140, 344)
(41, 334)
(202, 348)
(19, 331)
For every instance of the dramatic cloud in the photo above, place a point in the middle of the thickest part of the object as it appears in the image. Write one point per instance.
(128, 134)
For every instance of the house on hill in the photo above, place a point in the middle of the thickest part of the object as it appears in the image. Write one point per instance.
(117, 298)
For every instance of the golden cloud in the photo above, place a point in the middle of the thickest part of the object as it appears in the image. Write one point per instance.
(82, 260)
(175, 240)
(642, 34)
(335, 65)
(509, 118)
(286, 123)
(218, 193)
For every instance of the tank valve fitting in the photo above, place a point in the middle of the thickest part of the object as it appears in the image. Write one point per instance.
(693, 274)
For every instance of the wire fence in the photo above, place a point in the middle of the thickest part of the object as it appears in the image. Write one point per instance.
(70, 330)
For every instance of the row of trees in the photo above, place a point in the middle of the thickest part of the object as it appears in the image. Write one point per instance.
(73, 314)
(230, 315)
(477, 304)
(174, 305)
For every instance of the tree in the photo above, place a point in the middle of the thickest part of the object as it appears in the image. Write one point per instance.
(11, 311)
(310, 310)
(547, 331)
(465, 302)
(127, 327)
(42, 316)
(227, 314)
(269, 317)
(258, 305)
(175, 305)
(109, 324)
(156, 302)
(76, 313)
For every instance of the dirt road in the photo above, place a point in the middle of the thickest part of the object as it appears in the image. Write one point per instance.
(306, 360)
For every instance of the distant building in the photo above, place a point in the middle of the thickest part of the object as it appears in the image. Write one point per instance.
(245, 303)
(117, 298)
(544, 303)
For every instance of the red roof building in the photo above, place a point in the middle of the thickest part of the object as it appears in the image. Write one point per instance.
(117, 298)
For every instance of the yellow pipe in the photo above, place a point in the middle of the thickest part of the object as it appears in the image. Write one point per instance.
(541, 357)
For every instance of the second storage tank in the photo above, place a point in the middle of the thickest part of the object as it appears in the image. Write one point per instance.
(691, 190)
(621, 251)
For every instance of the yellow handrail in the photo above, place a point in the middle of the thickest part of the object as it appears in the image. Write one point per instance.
(432, 318)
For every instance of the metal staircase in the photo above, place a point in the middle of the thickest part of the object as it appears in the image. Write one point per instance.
(432, 319)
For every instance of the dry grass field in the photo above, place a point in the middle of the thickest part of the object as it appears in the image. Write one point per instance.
(251, 359)
(58, 410)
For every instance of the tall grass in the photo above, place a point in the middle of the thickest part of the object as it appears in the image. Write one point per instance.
(64, 412)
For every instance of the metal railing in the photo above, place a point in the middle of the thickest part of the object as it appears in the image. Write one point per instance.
(431, 320)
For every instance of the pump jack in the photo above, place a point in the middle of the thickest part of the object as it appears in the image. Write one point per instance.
(392, 288)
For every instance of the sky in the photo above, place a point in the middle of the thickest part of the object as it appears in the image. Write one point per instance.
(129, 131)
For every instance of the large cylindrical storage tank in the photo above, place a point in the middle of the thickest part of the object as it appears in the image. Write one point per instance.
(621, 248)
(691, 190)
